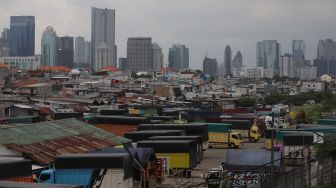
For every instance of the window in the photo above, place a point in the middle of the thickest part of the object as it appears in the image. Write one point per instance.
(44, 177)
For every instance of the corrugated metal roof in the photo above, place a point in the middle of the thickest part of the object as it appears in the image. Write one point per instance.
(44, 141)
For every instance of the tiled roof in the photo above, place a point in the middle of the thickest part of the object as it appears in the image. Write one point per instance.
(110, 69)
(55, 68)
(43, 141)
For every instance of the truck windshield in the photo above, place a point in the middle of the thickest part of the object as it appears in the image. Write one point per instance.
(44, 177)
(240, 137)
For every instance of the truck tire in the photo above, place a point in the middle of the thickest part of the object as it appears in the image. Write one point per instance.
(232, 145)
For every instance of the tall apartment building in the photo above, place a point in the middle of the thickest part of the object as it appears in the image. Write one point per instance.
(49, 47)
(65, 51)
(178, 57)
(268, 55)
(210, 66)
(140, 54)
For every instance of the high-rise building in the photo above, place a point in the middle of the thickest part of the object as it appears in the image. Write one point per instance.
(299, 54)
(227, 61)
(4, 43)
(103, 31)
(268, 55)
(103, 56)
(287, 66)
(79, 56)
(22, 35)
(87, 52)
(65, 51)
(326, 57)
(210, 66)
(139, 54)
(178, 57)
(157, 57)
(237, 61)
(123, 64)
(49, 47)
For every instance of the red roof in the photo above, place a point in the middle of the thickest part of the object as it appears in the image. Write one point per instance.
(168, 69)
(55, 68)
(4, 66)
(26, 83)
(110, 69)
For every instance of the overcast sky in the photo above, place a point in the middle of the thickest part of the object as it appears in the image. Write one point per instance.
(205, 26)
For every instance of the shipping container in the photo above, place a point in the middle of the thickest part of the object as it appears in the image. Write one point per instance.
(172, 147)
(146, 134)
(197, 138)
(16, 170)
(196, 129)
(123, 120)
(330, 122)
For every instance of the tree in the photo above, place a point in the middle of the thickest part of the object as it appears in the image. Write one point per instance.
(246, 102)
(328, 147)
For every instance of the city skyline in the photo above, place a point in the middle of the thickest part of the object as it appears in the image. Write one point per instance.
(316, 23)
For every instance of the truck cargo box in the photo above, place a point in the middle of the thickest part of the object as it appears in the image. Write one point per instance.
(15, 169)
(123, 120)
(146, 134)
(190, 129)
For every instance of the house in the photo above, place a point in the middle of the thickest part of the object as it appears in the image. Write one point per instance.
(42, 142)
(327, 78)
(21, 110)
(312, 86)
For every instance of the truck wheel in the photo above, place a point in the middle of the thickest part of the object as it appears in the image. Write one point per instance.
(231, 145)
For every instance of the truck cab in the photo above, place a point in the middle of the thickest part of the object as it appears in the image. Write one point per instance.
(236, 140)
(254, 134)
(47, 176)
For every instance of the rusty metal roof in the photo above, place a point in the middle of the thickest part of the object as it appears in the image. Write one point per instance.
(42, 142)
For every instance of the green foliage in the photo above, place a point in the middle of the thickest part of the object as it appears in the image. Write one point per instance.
(328, 147)
(245, 102)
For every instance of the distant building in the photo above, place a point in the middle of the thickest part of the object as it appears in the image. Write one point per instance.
(299, 54)
(123, 64)
(87, 52)
(103, 56)
(227, 61)
(287, 66)
(257, 73)
(139, 54)
(157, 57)
(22, 63)
(210, 66)
(103, 31)
(79, 56)
(308, 72)
(22, 35)
(65, 51)
(326, 57)
(221, 70)
(312, 86)
(178, 57)
(49, 47)
(4, 42)
(268, 55)
(237, 64)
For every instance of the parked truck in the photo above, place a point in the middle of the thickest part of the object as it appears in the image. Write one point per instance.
(87, 169)
(244, 127)
(220, 134)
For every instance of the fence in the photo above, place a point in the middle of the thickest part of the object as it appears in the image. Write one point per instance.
(318, 174)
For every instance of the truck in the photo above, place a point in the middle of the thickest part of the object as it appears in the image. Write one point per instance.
(88, 170)
(219, 134)
(244, 127)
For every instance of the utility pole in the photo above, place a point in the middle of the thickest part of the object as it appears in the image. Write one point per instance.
(272, 153)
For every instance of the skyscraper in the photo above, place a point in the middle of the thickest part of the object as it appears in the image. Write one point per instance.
(79, 56)
(178, 57)
(287, 66)
(103, 56)
(268, 54)
(227, 61)
(139, 54)
(103, 31)
(237, 61)
(210, 66)
(123, 64)
(65, 51)
(157, 57)
(237, 65)
(4, 43)
(22, 35)
(49, 47)
(87, 52)
(326, 57)
(299, 53)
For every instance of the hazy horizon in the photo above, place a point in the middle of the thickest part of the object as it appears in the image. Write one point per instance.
(203, 26)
